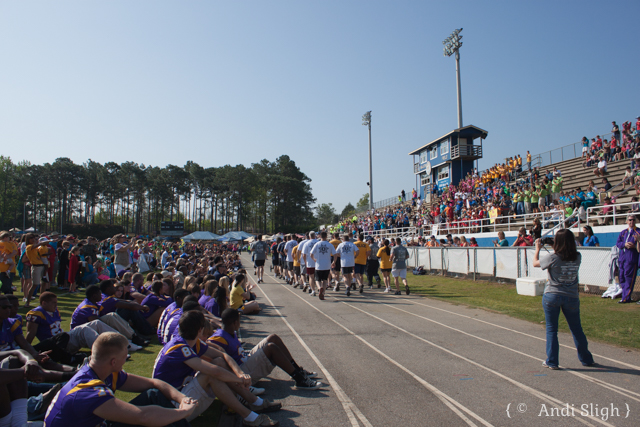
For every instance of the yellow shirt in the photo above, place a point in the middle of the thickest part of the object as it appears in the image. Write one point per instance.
(384, 258)
(335, 243)
(362, 254)
(34, 254)
(296, 256)
(5, 249)
(236, 297)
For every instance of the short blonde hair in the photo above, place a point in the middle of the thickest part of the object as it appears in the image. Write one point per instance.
(107, 345)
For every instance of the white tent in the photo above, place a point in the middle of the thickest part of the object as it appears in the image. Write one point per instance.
(200, 235)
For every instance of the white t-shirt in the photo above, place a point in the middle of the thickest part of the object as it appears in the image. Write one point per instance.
(322, 252)
(307, 250)
(347, 251)
(288, 248)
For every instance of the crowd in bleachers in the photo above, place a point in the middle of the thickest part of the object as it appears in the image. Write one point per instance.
(510, 190)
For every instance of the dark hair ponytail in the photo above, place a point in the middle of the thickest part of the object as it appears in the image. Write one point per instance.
(386, 247)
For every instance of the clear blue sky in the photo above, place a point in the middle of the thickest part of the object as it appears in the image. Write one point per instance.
(228, 82)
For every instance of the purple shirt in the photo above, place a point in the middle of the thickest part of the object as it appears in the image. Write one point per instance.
(212, 307)
(83, 394)
(154, 302)
(108, 304)
(83, 312)
(230, 343)
(48, 323)
(9, 329)
(170, 367)
(203, 300)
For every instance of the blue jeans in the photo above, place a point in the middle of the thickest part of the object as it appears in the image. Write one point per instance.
(552, 304)
(520, 208)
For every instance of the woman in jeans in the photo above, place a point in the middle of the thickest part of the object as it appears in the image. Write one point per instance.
(561, 293)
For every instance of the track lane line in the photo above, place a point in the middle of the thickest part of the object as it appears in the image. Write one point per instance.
(612, 387)
(349, 407)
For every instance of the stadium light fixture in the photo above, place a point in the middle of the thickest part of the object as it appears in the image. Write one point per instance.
(452, 45)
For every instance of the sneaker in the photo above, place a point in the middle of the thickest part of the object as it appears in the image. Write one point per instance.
(321, 294)
(256, 391)
(348, 293)
(378, 282)
(397, 293)
(266, 407)
(312, 293)
(296, 285)
(307, 384)
(261, 421)
(406, 289)
(138, 340)
(309, 374)
(554, 368)
(134, 347)
(304, 288)
(361, 288)
(387, 290)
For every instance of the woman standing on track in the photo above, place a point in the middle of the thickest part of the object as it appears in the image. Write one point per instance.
(561, 293)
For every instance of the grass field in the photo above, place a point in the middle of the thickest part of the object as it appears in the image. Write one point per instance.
(141, 362)
(602, 318)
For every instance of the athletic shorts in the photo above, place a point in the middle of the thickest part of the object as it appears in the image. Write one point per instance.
(399, 272)
(296, 270)
(347, 270)
(37, 271)
(194, 390)
(290, 265)
(360, 268)
(259, 262)
(310, 271)
(385, 270)
(322, 275)
(337, 263)
(26, 272)
(257, 364)
(275, 261)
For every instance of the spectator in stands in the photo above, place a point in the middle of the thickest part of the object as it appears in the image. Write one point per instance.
(523, 239)
(606, 210)
(602, 167)
(528, 160)
(502, 241)
(589, 238)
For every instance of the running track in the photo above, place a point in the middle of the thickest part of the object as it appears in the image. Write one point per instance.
(412, 361)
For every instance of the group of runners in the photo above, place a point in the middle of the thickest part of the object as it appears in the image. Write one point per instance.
(314, 263)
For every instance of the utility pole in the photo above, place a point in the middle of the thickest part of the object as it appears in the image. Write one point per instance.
(366, 121)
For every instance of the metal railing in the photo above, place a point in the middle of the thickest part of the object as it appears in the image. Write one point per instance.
(466, 151)
(561, 154)
(618, 210)
(484, 225)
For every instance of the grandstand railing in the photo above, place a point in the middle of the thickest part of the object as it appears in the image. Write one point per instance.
(512, 223)
(381, 204)
(509, 263)
(561, 154)
(618, 210)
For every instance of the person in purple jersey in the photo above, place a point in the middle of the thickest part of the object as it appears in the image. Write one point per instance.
(156, 301)
(218, 303)
(89, 311)
(180, 364)
(174, 309)
(266, 355)
(13, 383)
(209, 289)
(130, 311)
(88, 400)
(44, 322)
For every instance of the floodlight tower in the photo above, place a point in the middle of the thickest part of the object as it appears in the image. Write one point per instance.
(452, 45)
(366, 121)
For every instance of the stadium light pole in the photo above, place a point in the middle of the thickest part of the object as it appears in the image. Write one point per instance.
(452, 45)
(366, 121)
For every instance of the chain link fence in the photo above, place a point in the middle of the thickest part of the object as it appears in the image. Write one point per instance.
(508, 264)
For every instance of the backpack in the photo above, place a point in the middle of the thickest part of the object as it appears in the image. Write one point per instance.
(419, 271)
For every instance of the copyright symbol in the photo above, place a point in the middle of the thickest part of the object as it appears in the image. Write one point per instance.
(522, 408)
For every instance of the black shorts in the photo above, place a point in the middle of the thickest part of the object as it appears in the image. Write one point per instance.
(259, 262)
(385, 270)
(347, 270)
(290, 266)
(275, 261)
(360, 268)
(296, 270)
(322, 275)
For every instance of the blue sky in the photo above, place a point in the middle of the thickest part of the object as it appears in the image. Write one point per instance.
(160, 82)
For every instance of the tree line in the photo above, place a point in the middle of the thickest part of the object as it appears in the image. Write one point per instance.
(265, 198)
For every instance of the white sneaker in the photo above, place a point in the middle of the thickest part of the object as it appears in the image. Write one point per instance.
(256, 391)
(134, 347)
(386, 290)
(313, 293)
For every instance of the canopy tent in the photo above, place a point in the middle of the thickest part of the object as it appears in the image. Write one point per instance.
(200, 235)
(234, 236)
